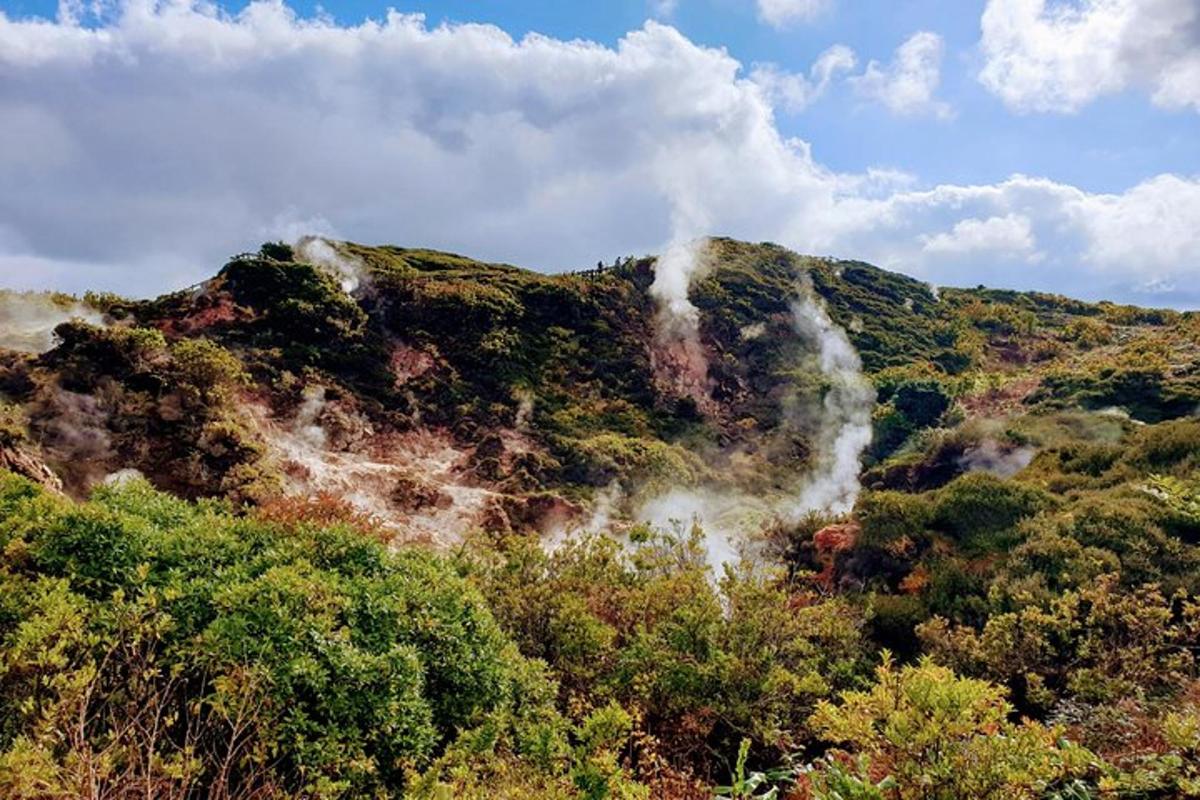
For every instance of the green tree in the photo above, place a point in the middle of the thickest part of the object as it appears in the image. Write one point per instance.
(940, 736)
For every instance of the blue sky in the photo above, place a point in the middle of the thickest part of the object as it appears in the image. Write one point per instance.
(994, 107)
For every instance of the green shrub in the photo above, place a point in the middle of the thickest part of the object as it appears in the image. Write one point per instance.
(940, 736)
(921, 402)
(704, 663)
(298, 303)
(1121, 645)
(332, 664)
(888, 517)
(982, 510)
(1173, 445)
(13, 424)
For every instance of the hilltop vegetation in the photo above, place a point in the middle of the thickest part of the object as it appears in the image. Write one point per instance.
(1011, 608)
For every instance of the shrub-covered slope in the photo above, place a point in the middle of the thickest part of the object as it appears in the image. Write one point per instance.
(1008, 610)
(530, 382)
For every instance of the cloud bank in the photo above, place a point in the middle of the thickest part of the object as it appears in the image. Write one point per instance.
(140, 150)
(1060, 56)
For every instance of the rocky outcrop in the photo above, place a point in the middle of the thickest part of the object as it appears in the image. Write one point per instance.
(15, 458)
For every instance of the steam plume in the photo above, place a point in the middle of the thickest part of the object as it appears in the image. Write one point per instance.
(680, 353)
(76, 439)
(725, 518)
(674, 272)
(845, 422)
(306, 424)
(990, 456)
(316, 250)
(604, 512)
(843, 430)
(28, 320)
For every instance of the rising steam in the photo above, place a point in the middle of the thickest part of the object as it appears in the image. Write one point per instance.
(726, 518)
(28, 319)
(674, 272)
(350, 272)
(729, 518)
(845, 421)
(680, 353)
(990, 456)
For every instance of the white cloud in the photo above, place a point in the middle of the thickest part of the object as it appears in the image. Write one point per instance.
(795, 92)
(908, 84)
(1060, 56)
(162, 141)
(1011, 234)
(1153, 225)
(1082, 243)
(663, 9)
(781, 13)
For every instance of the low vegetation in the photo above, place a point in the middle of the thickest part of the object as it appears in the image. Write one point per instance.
(1010, 610)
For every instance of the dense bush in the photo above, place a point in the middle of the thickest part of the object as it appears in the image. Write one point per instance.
(889, 518)
(700, 664)
(982, 510)
(298, 303)
(153, 645)
(907, 407)
(1120, 645)
(937, 736)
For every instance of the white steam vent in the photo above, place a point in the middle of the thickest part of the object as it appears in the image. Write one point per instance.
(350, 272)
(674, 272)
(680, 354)
(728, 517)
(845, 423)
(28, 320)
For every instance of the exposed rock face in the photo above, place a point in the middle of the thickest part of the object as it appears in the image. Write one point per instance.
(26, 464)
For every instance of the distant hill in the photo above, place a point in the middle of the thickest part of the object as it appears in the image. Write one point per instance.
(442, 393)
(417, 525)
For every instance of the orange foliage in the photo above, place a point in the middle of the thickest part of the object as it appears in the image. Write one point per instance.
(915, 581)
(321, 509)
(829, 541)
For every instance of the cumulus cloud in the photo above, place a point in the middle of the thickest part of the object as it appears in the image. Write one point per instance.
(1153, 224)
(1060, 56)
(795, 92)
(908, 84)
(1087, 244)
(155, 143)
(1010, 234)
(782, 13)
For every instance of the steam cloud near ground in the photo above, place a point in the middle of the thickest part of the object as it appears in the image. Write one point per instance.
(680, 352)
(991, 456)
(843, 421)
(28, 320)
(350, 272)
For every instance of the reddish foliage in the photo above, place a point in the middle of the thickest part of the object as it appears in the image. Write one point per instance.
(321, 509)
(670, 785)
(829, 541)
(915, 581)
(407, 362)
(1002, 401)
(833, 539)
(207, 311)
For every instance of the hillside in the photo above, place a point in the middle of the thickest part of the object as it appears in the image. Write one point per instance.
(502, 384)
(641, 538)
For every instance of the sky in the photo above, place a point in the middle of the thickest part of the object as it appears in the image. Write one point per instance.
(1031, 144)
